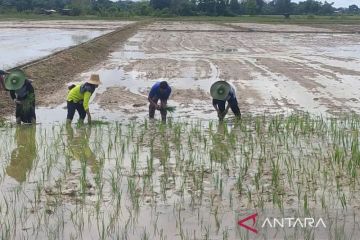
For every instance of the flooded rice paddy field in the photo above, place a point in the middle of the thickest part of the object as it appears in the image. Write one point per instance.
(273, 72)
(194, 178)
(22, 42)
(183, 180)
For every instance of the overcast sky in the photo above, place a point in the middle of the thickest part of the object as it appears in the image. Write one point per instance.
(337, 3)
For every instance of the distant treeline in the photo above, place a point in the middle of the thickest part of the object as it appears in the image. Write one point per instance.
(175, 7)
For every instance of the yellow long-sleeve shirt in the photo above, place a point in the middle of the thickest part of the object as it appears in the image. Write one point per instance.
(76, 96)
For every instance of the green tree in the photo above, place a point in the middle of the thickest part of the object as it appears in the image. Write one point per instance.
(22, 5)
(208, 6)
(252, 7)
(282, 6)
(327, 9)
(310, 7)
(183, 7)
(268, 8)
(221, 8)
(259, 6)
(143, 9)
(354, 9)
(234, 6)
(160, 4)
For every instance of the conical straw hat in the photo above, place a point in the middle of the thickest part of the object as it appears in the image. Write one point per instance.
(15, 80)
(94, 79)
(220, 90)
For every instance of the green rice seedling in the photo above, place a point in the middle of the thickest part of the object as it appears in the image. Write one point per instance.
(257, 180)
(83, 178)
(207, 233)
(306, 205)
(342, 199)
(170, 109)
(2, 123)
(99, 122)
(249, 195)
(145, 235)
(323, 201)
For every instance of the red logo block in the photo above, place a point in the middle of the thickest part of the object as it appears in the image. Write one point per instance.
(250, 228)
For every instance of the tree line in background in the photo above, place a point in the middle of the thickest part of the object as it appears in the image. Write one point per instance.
(175, 7)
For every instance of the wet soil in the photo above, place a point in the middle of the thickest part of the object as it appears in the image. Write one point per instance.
(276, 68)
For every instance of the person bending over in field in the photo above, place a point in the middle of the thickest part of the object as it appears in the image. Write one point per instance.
(221, 93)
(78, 99)
(23, 95)
(159, 91)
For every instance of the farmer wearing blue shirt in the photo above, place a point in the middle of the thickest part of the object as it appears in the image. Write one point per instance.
(223, 92)
(162, 91)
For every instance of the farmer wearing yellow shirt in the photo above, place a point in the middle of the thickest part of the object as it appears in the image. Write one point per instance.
(78, 99)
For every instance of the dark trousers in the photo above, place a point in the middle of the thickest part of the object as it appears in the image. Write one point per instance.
(233, 105)
(152, 109)
(72, 107)
(26, 113)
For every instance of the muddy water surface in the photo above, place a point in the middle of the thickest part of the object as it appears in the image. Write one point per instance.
(186, 180)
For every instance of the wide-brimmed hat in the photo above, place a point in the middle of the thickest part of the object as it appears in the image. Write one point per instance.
(220, 90)
(94, 79)
(15, 80)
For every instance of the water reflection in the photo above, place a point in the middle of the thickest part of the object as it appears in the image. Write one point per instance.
(77, 39)
(78, 146)
(223, 140)
(159, 145)
(23, 155)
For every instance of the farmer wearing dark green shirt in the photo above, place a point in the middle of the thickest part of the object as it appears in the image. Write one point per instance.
(23, 94)
(159, 91)
(78, 99)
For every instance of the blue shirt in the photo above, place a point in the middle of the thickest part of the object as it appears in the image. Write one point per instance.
(155, 92)
(232, 94)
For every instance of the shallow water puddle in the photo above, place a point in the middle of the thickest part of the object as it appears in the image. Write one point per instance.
(15, 48)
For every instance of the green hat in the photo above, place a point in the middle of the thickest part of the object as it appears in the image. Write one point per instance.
(15, 80)
(220, 90)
